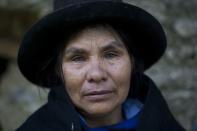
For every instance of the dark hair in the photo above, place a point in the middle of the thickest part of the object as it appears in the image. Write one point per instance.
(127, 40)
(137, 73)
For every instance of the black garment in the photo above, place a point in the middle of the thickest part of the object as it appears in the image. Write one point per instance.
(60, 115)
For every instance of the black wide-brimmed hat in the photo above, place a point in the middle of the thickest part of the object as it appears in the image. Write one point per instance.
(36, 53)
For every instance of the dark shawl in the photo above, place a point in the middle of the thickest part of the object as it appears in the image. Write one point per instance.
(58, 114)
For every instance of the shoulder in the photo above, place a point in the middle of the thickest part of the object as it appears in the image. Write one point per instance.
(56, 115)
(36, 121)
(155, 114)
(44, 119)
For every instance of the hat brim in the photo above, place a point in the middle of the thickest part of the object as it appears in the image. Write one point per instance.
(41, 39)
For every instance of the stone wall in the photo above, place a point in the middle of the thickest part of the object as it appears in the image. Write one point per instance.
(175, 73)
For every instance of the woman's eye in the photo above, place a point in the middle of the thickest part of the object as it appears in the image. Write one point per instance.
(78, 59)
(110, 55)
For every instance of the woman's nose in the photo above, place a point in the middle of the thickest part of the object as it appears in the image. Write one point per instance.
(96, 72)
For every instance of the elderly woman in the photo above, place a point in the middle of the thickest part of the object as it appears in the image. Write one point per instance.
(91, 54)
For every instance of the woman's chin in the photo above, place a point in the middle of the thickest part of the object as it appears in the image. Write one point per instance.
(99, 110)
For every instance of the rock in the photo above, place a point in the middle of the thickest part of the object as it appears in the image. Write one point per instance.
(35, 6)
(18, 98)
(186, 27)
(14, 22)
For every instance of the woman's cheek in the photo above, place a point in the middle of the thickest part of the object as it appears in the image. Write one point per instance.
(120, 69)
(121, 74)
(73, 77)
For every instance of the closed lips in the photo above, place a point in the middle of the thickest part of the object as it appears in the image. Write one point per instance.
(102, 92)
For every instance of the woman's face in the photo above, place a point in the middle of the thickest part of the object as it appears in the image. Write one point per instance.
(97, 70)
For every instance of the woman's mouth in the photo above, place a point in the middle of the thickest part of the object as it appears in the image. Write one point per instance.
(97, 96)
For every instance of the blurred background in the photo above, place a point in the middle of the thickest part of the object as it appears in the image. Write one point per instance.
(175, 73)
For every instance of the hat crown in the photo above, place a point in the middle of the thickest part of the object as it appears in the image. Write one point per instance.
(58, 4)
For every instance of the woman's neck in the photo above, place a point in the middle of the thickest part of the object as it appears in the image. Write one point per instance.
(103, 120)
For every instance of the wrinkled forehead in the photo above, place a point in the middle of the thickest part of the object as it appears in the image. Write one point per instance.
(98, 34)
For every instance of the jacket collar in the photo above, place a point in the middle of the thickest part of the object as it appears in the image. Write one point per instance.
(155, 115)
